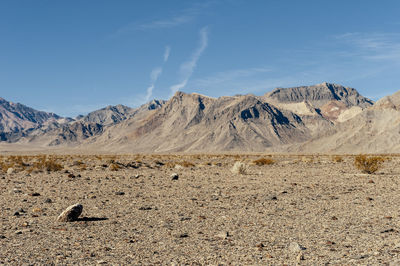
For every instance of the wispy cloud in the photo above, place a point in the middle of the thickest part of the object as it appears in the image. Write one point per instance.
(373, 46)
(155, 74)
(185, 16)
(166, 23)
(187, 68)
(166, 53)
(230, 77)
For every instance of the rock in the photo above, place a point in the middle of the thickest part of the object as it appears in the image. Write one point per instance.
(10, 171)
(184, 235)
(300, 257)
(174, 176)
(295, 247)
(48, 201)
(71, 213)
(34, 194)
(120, 193)
(223, 235)
(16, 214)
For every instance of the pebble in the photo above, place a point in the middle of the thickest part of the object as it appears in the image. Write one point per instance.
(71, 213)
(223, 235)
(300, 257)
(174, 176)
(10, 171)
(295, 247)
(120, 193)
(48, 201)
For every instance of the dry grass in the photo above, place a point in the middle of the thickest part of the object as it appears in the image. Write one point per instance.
(186, 164)
(263, 161)
(114, 167)
(368, 165)
(337, 159)
(239, 168)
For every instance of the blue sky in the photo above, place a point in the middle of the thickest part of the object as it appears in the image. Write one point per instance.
(72, 57)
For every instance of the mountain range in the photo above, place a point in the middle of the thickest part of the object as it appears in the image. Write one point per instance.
(323, 118)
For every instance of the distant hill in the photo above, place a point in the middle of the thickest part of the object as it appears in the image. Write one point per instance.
(319, 118)
(16, 118)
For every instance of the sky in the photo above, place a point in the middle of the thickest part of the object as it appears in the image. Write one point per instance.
(72, 57)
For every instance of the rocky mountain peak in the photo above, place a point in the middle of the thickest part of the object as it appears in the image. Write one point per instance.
(319, 95)
(15, 117)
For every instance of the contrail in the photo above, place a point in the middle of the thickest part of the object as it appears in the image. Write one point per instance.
(187, 68)
(155, 74)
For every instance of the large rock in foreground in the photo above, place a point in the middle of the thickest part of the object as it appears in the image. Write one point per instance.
(71, 213)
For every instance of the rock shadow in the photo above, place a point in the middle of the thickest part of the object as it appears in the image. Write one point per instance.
(91, 219)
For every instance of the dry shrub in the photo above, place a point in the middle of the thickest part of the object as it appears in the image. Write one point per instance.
(186, 164)
(46, 164)
(337, 159)
(263, 161)
(239, 168)
(169, 164)
(368, 165)
(114, 167)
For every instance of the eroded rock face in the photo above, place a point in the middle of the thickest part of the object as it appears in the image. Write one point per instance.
(71, 213)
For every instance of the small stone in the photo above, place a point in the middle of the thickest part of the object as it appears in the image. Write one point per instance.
(369, 198)
(120, 193)
(273, 198)
(10, 171)
(295, 247)
(174, 176)
(71, 176)
(36, 210)
(184, 235)
(19, 232)
(16, 214)
(260, 246)
(300, 257)
(48, 201)
(34, 194)
(2, 237)
(371, 181)
(223, 235)
(71, 213)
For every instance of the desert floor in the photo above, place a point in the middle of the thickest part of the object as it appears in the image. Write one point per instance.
(303, 210)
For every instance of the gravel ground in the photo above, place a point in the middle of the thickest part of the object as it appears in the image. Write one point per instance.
(303, 210)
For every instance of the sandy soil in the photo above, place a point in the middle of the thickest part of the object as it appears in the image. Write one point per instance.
(306, 210)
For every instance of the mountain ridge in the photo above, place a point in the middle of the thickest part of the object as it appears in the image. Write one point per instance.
(317, 118)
